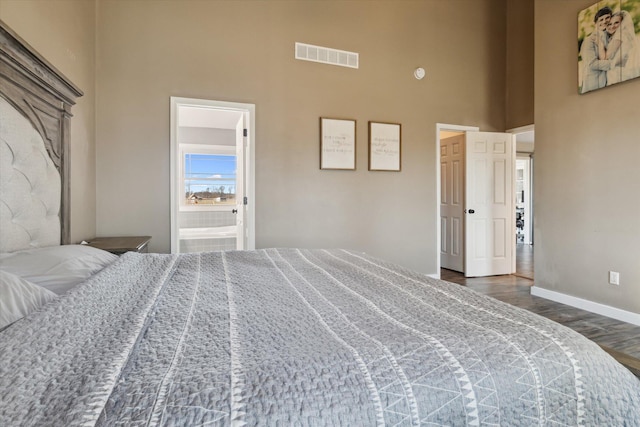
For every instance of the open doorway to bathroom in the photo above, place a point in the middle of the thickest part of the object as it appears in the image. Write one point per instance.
(211, 175)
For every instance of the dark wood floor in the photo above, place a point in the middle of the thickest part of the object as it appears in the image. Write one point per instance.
(621, 339)
(524, 261)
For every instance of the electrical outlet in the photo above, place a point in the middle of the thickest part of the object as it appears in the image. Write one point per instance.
(614, 278)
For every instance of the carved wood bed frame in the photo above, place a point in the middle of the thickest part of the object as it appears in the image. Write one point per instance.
(44, 96)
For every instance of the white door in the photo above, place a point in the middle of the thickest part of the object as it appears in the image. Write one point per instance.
(489, 204)
(452, 203)
(240, 209)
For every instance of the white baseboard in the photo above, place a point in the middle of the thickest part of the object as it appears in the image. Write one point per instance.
(434, 276)
(594, 307)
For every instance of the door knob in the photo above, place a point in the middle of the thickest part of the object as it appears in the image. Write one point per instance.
(469, 211)
(235, 211)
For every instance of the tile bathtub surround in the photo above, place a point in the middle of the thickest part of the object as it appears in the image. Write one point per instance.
(205, 245)
(206, 219)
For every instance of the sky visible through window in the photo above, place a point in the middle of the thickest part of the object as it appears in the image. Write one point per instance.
(213, 173)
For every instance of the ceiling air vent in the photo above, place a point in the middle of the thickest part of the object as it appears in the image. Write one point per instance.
(325, 55)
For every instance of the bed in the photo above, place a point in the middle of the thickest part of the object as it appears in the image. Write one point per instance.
(278, 336)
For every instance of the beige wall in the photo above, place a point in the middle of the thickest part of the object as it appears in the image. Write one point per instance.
(519, 78)
(63, 31)
(243, 51)
(586, 171)
(587, 219)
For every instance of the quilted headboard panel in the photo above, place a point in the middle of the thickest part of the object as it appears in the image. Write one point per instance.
(29, 185)
(35, 110)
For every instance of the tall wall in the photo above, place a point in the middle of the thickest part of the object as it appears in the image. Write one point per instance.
(586, 171)
(587, 146)
(243, 51)
(63, 31)
(520, 54)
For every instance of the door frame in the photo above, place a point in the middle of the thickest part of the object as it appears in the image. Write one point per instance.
(439, 128)
(531, 154)
(528, 229)
(249, 113)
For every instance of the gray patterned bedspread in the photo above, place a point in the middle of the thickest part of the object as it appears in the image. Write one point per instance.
(298, 337)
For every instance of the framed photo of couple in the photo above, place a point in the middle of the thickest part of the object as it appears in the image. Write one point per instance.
(608, 44)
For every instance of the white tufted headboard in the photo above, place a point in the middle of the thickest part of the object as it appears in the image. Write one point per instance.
(29, 185)
(35, 114)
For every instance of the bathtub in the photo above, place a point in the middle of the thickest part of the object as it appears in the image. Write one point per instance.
(225, 232)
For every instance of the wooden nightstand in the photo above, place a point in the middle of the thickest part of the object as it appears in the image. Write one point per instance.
(120, 245)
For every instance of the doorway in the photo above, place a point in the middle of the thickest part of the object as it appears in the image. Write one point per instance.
(212, 175)
(525, 144)
(475, 209)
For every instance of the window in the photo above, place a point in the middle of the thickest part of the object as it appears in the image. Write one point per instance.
(209, 178)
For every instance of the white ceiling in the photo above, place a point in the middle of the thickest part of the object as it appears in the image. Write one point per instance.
(526, 136)
(202, 117)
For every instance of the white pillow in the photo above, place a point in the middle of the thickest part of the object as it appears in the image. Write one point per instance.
(18, 298)
(57, 268)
